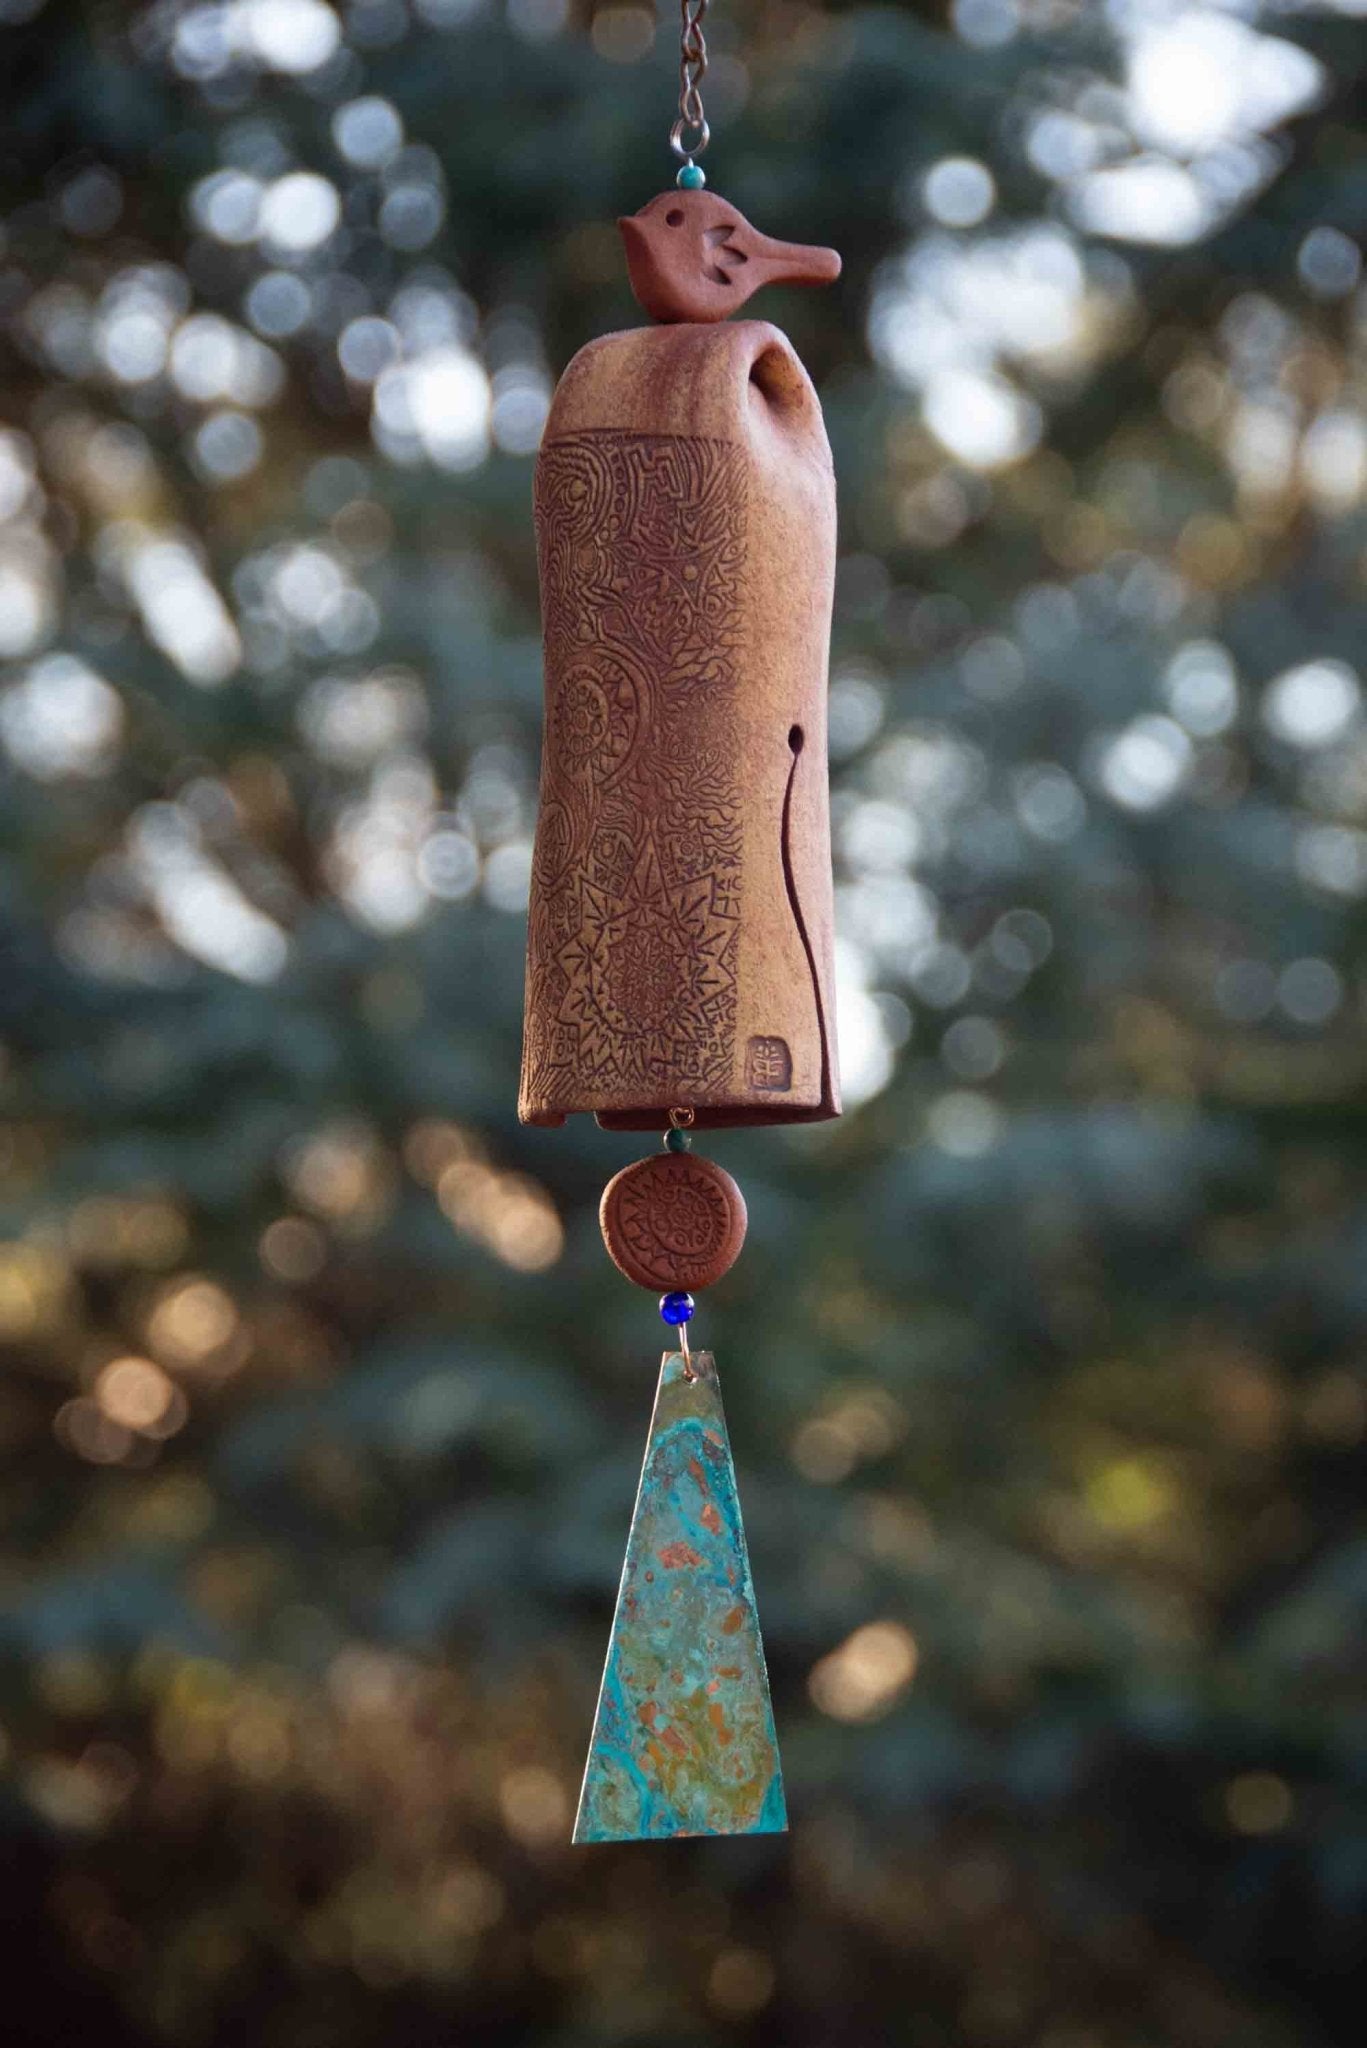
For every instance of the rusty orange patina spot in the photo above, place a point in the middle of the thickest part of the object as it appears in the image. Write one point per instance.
(710, 1517)
(697, 1475)
(675, 1556)
(716, 1713)
(733, 1620)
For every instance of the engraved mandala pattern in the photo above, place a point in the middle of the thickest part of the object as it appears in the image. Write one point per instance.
(635, 888)
(673, 1221)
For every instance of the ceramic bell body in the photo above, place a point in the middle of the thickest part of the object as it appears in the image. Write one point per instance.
(679, 944)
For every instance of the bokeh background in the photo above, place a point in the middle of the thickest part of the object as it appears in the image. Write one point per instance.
(321, 1407)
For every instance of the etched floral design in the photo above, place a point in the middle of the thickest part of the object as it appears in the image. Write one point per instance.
(633, 923)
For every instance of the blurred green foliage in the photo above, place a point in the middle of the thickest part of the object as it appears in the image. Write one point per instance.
(321, 1407)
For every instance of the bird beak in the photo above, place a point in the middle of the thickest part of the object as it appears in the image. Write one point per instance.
(633, 233)
(798, 262)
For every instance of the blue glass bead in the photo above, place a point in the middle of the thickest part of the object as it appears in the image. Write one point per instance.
(676, 1308)
(677, 1141)
(691, 178)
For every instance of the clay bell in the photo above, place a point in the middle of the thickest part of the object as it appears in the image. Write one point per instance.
(679, 946)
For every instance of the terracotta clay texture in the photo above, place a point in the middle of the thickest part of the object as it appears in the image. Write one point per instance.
(674, 1220)
(693, 256)
(679, 944)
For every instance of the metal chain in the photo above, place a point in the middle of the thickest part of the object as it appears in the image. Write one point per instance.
(692, 71)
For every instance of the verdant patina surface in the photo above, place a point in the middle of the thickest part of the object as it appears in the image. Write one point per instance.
(683, 1742)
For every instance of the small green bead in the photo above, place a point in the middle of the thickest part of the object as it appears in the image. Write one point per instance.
(676, 1140)
(691, 178)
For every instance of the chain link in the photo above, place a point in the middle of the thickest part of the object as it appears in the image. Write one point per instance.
(692, 122)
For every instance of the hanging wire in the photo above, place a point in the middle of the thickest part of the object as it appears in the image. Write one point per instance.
(692, 122)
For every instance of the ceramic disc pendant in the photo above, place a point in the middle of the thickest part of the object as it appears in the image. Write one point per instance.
(673, 1221)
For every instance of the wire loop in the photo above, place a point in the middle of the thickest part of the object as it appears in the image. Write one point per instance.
(686, 151)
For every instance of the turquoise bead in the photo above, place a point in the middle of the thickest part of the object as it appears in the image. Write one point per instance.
(691, 178)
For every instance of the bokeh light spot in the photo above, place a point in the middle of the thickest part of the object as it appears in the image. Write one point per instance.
(864, 1678)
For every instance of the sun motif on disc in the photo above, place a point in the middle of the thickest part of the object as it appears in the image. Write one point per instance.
(691, 1217)
(673, 1220)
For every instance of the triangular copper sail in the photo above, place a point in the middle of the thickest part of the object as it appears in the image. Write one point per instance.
(683, 1742)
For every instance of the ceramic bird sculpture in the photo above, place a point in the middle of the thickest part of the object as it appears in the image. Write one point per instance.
(692, 256)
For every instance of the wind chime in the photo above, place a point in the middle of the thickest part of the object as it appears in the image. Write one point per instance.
(679, 970)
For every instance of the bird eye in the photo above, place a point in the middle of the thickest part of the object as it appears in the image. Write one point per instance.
(674, 218)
